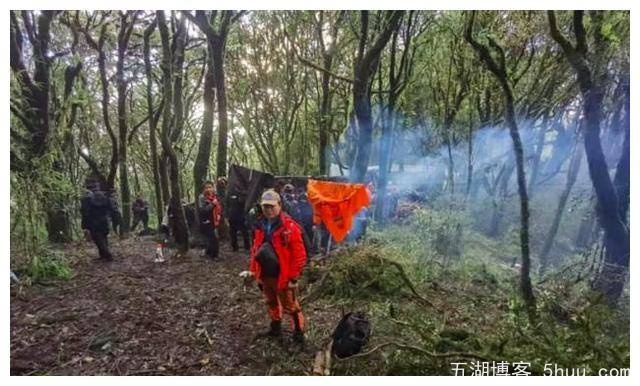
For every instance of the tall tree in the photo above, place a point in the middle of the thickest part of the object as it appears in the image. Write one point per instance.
(180, 229)
(153, 123)
(33, 107)
(499, 70)
(127, 22)
(399, 73)
(216, 29)
(327, 51)
(201, 165)
(99, 47)
(611, 202)
(364, 68)
(572, 175)
(33, 111)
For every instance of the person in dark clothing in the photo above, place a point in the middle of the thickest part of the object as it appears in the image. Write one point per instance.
(140, 209)
(305, 219)
(290, 201)
(237, 223)
(253, 217)
(95, 208)
(116, 219)
(292, 205)
(305, 214)
(210, 212)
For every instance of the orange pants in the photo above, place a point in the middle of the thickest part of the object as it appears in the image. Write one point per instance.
(282, 300)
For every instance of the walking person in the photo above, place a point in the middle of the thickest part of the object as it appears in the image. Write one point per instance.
(96, 208)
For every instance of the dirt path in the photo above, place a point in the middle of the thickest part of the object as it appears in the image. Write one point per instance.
(188, 316)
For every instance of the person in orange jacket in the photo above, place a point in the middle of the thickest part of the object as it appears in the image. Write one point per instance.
(210, 214)
(277, 258)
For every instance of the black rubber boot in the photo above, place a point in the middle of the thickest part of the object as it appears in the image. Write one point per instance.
(275, 329)
(298, 336)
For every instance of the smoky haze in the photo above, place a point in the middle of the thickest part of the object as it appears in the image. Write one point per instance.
(420, 164)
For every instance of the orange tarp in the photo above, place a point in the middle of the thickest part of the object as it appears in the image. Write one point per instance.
(335, 204)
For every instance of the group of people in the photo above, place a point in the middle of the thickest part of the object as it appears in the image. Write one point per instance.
(277, 253)
(277, 233)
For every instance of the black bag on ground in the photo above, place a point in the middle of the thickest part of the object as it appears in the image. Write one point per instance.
(351, 335)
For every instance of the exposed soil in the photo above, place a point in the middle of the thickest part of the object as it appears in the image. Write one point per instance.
(187, 316)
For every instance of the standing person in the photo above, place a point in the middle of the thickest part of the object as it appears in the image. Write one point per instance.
(306, 218)
(277, 258)
(210, 213)
(235, 210)
(95, 208)
(116, 219)
(140, 210)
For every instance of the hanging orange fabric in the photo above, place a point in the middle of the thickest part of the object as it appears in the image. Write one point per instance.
(335, 204)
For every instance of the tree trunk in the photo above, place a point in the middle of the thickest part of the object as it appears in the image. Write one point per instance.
(58, 224)
(499, 71)
(201, 164)
(450, 165)
(538, 154)
(323, 136)
(362, 108)
(469, 157)
(163, 170)
(585, 233)
(572, 174)
(123, 131)
(525, 281)
(34, 105)
(611, 279)
(181, 232)
(218, 71)
(365, 64)
(499, 198)
(34, 92)
(104, 82)
(324, 121)
(153, 142)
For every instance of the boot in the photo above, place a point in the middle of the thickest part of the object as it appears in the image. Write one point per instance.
(298, 336)
(275, 329)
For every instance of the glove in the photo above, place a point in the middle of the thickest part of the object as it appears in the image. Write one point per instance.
(293, 283)
(247, 276)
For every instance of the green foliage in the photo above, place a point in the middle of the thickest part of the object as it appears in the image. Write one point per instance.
(50, 265)
(362, 274)
(33, 193)
(478, 309)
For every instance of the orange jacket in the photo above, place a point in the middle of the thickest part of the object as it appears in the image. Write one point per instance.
(288, 245)
(216, 211)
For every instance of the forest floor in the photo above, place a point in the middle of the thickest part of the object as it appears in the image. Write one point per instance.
(194, 316)
(187, 316)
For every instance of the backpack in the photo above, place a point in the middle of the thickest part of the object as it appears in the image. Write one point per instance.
(268, 260)
(351, 335)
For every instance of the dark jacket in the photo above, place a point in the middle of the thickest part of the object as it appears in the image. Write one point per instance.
(235, 209)
(95, 208)
(139, 205)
